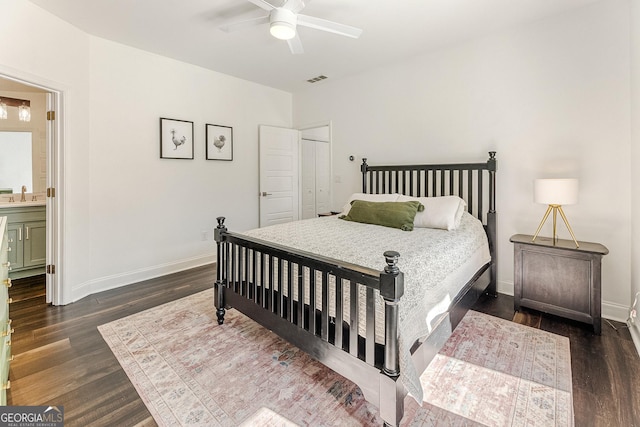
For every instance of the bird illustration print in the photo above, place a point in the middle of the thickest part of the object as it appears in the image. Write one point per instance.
(177, 142)
(219, 142)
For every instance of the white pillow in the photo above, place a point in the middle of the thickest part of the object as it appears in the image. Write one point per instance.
(443, 212)
(368, 198)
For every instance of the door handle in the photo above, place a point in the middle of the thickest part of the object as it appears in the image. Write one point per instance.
(265, 194)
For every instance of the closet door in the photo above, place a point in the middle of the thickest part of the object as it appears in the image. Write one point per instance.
(308, 179)
(315, 178)
(323, 177)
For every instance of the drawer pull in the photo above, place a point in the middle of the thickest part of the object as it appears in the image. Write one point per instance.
(6, 386)
(9, 249)
(7, 283)
(20, 234)
(9, 301)
(9, 332)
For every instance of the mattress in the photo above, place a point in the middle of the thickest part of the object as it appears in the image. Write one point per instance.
(436, 266)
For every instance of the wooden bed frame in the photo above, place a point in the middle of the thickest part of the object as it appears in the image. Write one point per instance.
(244, 263)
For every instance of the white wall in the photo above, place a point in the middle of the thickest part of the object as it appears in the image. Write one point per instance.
(56, 55)
(635, 159)
(128, 215)
(148, 215)
(552, 98)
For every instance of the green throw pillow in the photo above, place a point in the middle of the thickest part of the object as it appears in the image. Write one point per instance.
(389, 214)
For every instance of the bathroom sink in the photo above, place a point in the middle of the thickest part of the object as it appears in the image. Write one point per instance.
(6, 203)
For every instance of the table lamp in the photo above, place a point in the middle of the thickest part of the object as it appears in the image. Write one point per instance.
(556, 193)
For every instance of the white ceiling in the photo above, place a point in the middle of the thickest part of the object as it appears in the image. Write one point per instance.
(393, 30)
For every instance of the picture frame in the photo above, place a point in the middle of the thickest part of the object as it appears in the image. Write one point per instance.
(176, 139)
(219, 142)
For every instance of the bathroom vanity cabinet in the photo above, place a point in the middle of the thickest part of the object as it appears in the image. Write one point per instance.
(27, 231)
(5, 321)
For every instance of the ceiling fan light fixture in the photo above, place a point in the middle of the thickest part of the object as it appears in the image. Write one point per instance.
(282, 30)
(282, 24)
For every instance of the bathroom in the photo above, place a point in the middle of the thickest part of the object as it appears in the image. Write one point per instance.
(23, 176)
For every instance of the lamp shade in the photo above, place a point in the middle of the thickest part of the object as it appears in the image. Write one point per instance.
(556, 191)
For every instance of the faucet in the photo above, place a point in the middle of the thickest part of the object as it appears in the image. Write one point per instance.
(24, 190)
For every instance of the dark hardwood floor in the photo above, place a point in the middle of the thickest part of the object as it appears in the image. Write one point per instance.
(61, 358)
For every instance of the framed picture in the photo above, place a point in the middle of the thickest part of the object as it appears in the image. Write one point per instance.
(176, 139)
(219, 142)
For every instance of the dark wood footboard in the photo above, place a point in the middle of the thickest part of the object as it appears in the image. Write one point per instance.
(276, 286)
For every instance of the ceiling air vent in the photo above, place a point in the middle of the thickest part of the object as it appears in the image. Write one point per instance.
(317, 79)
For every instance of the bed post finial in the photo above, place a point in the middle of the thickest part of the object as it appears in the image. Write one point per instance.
(363, 168)
(392, 262)
(220, 262)
(492, 165)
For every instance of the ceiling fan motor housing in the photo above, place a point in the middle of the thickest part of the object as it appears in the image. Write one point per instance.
(282, 23)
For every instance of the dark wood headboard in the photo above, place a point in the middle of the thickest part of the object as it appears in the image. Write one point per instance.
(475, 183)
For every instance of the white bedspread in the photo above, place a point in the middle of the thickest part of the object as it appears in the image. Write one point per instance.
(436, 265)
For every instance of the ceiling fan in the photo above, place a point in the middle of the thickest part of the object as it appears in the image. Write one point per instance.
(283, 21)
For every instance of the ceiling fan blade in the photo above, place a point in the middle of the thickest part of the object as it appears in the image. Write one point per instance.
(244, 24)
(263, 4)
(329, 26)
(295, 6)
(295, 45)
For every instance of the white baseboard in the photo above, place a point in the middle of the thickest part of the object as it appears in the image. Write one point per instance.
(615, 311)
(130, 277)
(505, 288)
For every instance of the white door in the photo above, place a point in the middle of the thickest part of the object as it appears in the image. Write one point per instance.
(315, 173)
(278, 175)
(323, 177)
(308, 178)
(53, 282)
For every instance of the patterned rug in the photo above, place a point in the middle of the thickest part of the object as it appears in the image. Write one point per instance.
(191, 372)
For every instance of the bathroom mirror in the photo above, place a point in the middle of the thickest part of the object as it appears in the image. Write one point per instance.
(16, 161)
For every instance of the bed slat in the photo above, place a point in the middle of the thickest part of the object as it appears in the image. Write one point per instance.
(371, 333)
(353, 319)
(339, 313)
(324, 326)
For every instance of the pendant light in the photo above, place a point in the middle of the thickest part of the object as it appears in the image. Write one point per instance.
(24, 113)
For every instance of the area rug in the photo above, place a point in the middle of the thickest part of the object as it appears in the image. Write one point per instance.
(189, 371)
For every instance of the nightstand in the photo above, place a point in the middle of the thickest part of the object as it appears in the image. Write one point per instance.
(559, 278)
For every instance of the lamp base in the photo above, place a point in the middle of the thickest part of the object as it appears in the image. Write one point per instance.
(555, 209)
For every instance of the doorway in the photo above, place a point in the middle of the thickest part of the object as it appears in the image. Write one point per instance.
(315, 171)
(295, 173)
(45, 135)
